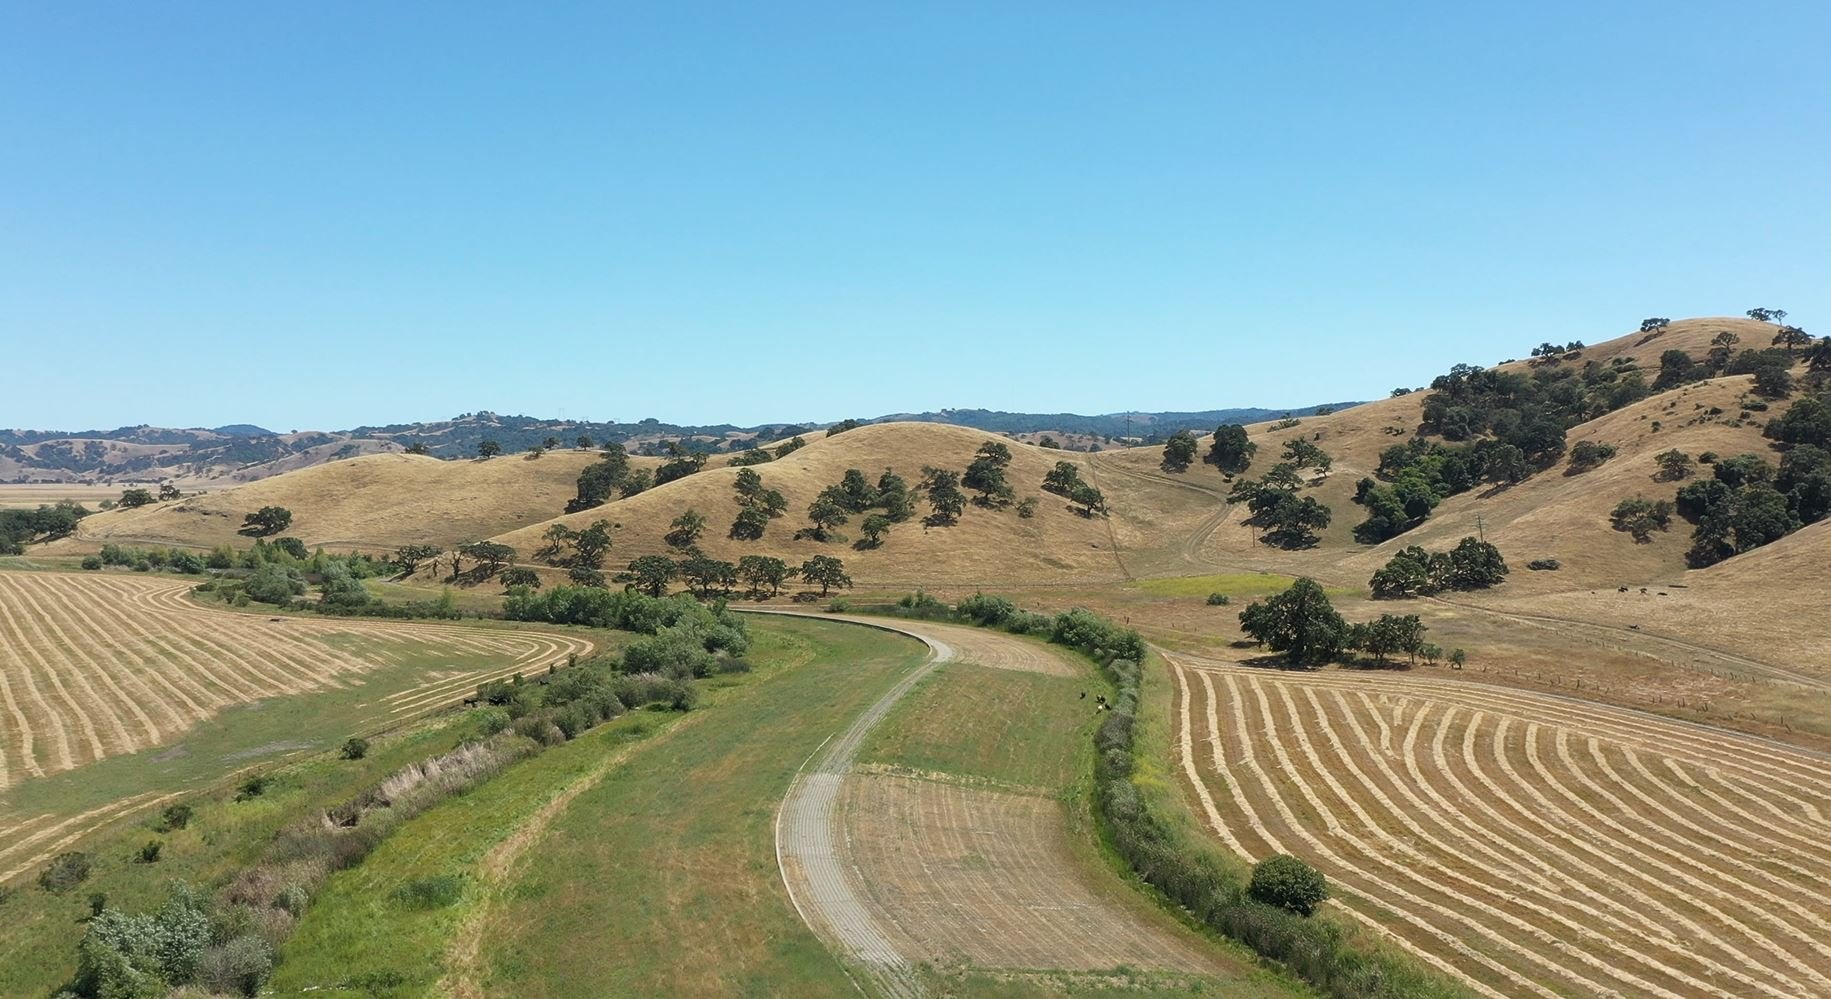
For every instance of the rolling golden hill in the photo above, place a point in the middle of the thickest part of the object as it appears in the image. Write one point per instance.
(986, 547)
(372, 502)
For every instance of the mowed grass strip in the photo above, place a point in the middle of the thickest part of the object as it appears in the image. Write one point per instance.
(1019, 728)
(669, 868)
(660, 877)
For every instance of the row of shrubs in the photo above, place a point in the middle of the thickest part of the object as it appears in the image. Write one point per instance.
(1267, 912)
(1077, 628)
(227, 944)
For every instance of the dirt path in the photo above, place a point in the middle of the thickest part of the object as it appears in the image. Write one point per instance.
(809, 834)
(897, 873)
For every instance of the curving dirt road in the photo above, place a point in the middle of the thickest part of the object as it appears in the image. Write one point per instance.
(901, 873)
(809, 836)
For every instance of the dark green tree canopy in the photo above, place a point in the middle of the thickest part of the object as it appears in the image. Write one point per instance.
(1179, 451)
(1300, 622)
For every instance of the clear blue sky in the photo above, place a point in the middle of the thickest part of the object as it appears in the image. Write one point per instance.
(318, 215)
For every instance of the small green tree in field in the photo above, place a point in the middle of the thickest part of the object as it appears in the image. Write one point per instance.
(874, 527)
(1674, 465)
(131, 498)
(685, 529)
(354, 748)
(488, 449)
(1300, 622)
(651, 574)
(268, 520)
(826, 514)
(519, 576)
(1288, 883)
(1640, 517)
(763, 574)
(826, 571)
(1179, 452)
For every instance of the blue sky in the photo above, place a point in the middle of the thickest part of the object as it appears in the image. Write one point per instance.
(320, 215)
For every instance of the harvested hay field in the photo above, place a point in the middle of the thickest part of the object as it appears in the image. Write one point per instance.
(969, 877)
(93, 666)
(1524, 843)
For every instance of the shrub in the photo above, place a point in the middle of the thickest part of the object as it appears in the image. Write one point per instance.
(92, 562)
(64, 872)
(253, 787)
(274, 583)
(1544, 565)
(293, 898)
(492, 720)
(354, 748)
(174, 817)
(1288, 883)
(1219, 600)
(922, 606)
(149, 854)
(238, 967)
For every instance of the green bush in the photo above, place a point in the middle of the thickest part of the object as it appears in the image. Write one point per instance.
(273, 583)
(1288, 883)
(64, 872)
(149, 854)
(354, 748)
(1219, 600)
(92, 562)
(174, 817)
(238, 967)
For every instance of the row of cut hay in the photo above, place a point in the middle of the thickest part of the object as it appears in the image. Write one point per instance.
(1556, 860)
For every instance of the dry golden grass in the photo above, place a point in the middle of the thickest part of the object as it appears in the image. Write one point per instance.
(991, 547)
(1566, 517)
(27, 496)
(981, 878)
(378, 501)
(1692, 336)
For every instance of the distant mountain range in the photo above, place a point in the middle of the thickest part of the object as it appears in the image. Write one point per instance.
(243, 452)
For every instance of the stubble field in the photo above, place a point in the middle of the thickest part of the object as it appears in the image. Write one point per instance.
(1522, 843)
(118, 692)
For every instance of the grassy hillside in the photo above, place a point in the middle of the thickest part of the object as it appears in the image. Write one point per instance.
(986, 546)
(1555, 514)
(377, 501)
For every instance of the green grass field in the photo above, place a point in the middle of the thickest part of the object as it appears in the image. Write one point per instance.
(223, 836)
(659, 877)
(1006, 726)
